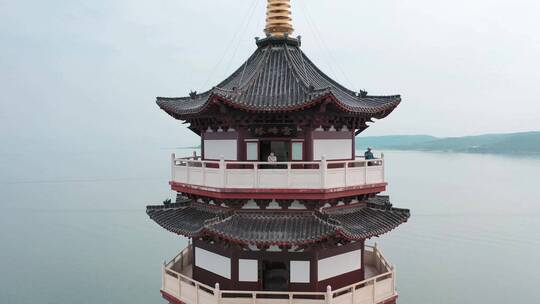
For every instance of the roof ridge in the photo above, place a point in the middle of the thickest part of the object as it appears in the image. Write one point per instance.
(238, 70)
(328, 78)
(299, 76)
(257, 71)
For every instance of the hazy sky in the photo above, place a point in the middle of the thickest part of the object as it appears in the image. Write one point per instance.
(85, 73)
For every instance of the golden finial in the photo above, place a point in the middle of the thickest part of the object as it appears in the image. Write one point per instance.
(278, 18)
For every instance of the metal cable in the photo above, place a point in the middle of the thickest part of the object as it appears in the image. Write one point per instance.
(230, 44)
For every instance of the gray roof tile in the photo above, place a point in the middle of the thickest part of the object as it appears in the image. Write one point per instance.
(271, 227)
(279, 77)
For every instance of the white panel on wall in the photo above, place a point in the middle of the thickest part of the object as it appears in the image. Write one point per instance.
(252, 151)
(297, 151)
(332, 148)
(212, 262)
(300, 272)
(248, 270)
(214, 149)
(339, 264)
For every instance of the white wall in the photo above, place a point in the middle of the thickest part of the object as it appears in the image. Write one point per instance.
(212, 262)
(339, 264)
(248, 270)
(300, 272)
(332, 148)
(214, 149)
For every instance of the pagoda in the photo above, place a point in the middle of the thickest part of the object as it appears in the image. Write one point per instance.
(278, 207)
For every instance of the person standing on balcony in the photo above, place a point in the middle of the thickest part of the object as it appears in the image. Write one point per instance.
(368, 154)
(272, 158)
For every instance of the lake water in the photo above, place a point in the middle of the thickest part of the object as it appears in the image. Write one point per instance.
(73, 227)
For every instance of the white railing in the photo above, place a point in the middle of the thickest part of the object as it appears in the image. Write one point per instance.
(370, 291)
(278, 175)
(182, 260)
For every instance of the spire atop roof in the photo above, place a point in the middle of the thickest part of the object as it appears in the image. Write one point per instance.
(278, 18)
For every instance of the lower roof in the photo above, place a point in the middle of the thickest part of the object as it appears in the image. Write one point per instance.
(275, 227)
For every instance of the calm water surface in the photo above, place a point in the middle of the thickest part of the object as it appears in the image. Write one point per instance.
(73, 227)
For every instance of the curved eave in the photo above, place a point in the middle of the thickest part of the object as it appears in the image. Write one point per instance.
(171, 105)
(344, 233)
(198, 217)
(263, 228)
(352, 223)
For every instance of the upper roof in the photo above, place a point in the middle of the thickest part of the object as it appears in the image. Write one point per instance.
(279, 77)
(273, 227)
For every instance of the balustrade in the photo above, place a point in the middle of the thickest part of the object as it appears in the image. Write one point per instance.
(278, 175)
(373, 290)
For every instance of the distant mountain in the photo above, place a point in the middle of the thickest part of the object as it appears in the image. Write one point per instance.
(513, 143)
(391, 141)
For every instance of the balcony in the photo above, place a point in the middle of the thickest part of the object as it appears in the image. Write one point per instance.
(296, 180)
(379, 287)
